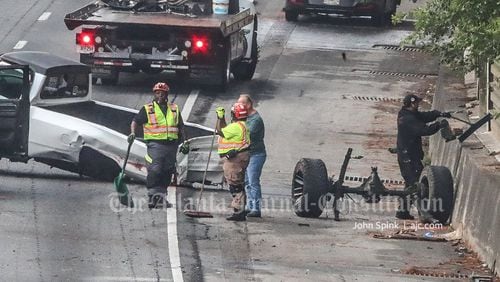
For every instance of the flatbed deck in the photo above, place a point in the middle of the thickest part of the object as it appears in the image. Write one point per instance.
(100, 14)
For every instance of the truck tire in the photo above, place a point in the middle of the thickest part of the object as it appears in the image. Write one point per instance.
(310, 184)
(436, 196)
(291, 16)
(246, 70)
(225, 67)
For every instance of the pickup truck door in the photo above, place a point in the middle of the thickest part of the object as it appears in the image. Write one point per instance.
(14, 111)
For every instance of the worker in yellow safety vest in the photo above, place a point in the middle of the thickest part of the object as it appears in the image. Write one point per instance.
(234, 143)
(162, 125)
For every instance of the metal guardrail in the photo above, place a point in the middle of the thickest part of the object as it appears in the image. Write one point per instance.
(493, 94)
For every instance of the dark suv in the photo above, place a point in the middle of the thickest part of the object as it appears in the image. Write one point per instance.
(380, 11)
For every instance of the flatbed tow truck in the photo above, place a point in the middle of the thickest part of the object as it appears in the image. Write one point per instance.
(183, 36)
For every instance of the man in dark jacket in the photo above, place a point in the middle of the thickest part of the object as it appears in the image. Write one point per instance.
(412, 125)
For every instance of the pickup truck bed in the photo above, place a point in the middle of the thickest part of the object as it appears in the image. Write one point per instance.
(112, 117)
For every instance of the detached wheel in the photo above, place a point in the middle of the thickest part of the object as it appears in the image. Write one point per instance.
(291, 16)
(310, 183)
(437, 194)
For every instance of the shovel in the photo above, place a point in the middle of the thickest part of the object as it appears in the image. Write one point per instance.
(120, 186)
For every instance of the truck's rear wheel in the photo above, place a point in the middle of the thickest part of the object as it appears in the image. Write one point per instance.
(225, 74)
(436, 196)
(291, 16)
(246, 70)
(309, 186)
(383, 19)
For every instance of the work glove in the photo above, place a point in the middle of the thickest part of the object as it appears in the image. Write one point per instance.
(184, 148)
(443, 124)
(220, 112)
(445, 114)
(231, 154)
(131, 138)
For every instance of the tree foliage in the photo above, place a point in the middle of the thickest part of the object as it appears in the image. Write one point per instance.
(450, 28)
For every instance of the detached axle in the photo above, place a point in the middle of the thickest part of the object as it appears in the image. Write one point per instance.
(312, 189)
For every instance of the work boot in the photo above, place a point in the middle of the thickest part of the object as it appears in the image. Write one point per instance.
(253, 214)
(158, 201)
(237, 217)
(404, 215)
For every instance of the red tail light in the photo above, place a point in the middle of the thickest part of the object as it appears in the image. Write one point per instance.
(200, 44)
(297, 2)
(85, 38)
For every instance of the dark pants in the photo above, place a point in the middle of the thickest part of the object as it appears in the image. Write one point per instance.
(234, 173)
(160, 166)
(410, 170)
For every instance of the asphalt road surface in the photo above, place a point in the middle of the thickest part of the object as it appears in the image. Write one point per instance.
(57, 226)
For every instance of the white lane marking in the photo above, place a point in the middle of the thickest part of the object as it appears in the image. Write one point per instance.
(20, 44)
(188, 106)
(122, 278)
(173, 242)
(44, 16)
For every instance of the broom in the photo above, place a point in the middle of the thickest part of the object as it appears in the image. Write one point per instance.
(197, 212)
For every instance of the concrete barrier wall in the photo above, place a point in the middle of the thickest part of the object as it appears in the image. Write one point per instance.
(477, 180)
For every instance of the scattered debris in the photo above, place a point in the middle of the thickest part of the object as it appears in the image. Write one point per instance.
(494, 153)
(304, 224)
(433, 273)
(396, 270)
(408, 236)
(465, 266)
(471, 105)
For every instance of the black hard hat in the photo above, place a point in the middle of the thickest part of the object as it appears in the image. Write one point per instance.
(410, 98)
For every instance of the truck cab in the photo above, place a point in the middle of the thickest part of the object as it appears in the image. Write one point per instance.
(14, 111)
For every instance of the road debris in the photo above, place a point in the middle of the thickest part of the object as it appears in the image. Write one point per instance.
(407, 235)
(466, 265)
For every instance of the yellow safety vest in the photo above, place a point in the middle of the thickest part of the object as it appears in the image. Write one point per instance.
(160, 126)
(238, 142)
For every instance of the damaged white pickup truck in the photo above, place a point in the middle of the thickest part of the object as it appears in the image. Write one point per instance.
(47, 114)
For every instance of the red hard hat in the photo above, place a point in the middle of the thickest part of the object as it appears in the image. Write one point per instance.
(162, 86)
(239, 110)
